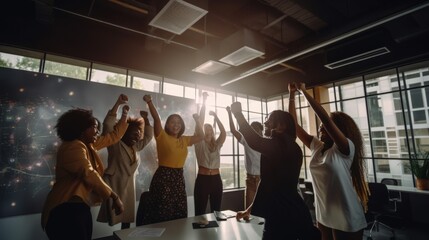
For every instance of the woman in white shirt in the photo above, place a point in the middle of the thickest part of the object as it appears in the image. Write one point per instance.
(336, 166)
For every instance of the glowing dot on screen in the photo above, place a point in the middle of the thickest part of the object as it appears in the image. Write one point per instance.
(12, 160)
(18, 118)
(21, 89)
(71, 93)
(39, 164)
(60, 80)
(165, 106)
(13, 204)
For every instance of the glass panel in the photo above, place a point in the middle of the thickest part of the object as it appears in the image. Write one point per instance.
(242, 171)
(325, 93)
(19, 62)
(227, 169)
(223, 100)
(392, 168)
(227, 148)
(334, 94)
(380, 82)
(276, 104)
(351, 89)
(255, 117)
(146, 84)
(419, 116)
(190, 92)
(375, 111)
(108, 78)
(416, 97)
(65, 70)
(255, 105)
(173, 89)
(243, 101)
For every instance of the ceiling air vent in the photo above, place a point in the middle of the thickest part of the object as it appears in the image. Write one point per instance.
(177, 16)
(358, 58)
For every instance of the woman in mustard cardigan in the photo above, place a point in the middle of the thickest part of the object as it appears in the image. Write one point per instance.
(78, 182)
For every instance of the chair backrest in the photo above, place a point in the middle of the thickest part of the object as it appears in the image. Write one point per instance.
(390, 181)
(379, 197)
(309, 186)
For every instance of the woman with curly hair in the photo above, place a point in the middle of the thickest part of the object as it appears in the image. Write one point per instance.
(78, 174)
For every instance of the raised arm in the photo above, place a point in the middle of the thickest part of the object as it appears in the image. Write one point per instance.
(110, 119)
(300, 132)
(157, 127)
(198, 135)
(203, 108)
(331, 128)
(232, 126)
(202, 113)
(122, 99)
(148, 131)
(221, 139)
(255, 141)
(117, 132)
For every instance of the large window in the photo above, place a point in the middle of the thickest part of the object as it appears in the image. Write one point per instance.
(390, 107)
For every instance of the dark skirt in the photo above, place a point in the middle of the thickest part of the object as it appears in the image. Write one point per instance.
(167, 198)
(70, 220)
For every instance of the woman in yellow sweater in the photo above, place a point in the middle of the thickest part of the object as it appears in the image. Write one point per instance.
(167, 194)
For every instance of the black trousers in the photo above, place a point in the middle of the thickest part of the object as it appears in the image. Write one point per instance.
(70, 221)
(207, 186)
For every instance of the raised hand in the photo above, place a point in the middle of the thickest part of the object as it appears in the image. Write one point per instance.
(125, 109)
(144, 114)
(205, 95)
(122, 99)
(300, 86)
(212, 113)
(236, 107)
(292, 87)
(147, 98)
(228, 109)
(196, 116)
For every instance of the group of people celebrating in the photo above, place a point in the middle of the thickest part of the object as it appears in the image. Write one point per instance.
(273, 164)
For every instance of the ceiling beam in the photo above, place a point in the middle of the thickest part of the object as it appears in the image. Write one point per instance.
(325, 43)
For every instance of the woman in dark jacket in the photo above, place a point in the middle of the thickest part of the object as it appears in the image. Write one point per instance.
(277, 199)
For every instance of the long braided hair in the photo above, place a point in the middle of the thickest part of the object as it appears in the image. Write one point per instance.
(350, 129)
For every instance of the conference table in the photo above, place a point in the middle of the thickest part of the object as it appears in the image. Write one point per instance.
(184, 229)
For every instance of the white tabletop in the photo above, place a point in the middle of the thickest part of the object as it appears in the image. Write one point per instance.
(407, 189)
(182, 229)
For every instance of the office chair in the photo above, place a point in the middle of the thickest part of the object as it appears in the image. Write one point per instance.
(395, 196)
(378, 207)
(309, 195)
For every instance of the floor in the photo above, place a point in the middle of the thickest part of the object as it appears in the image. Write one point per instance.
(402, 233)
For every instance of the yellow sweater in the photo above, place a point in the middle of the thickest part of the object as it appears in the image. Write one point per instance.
(78, 172)
(172, 152)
